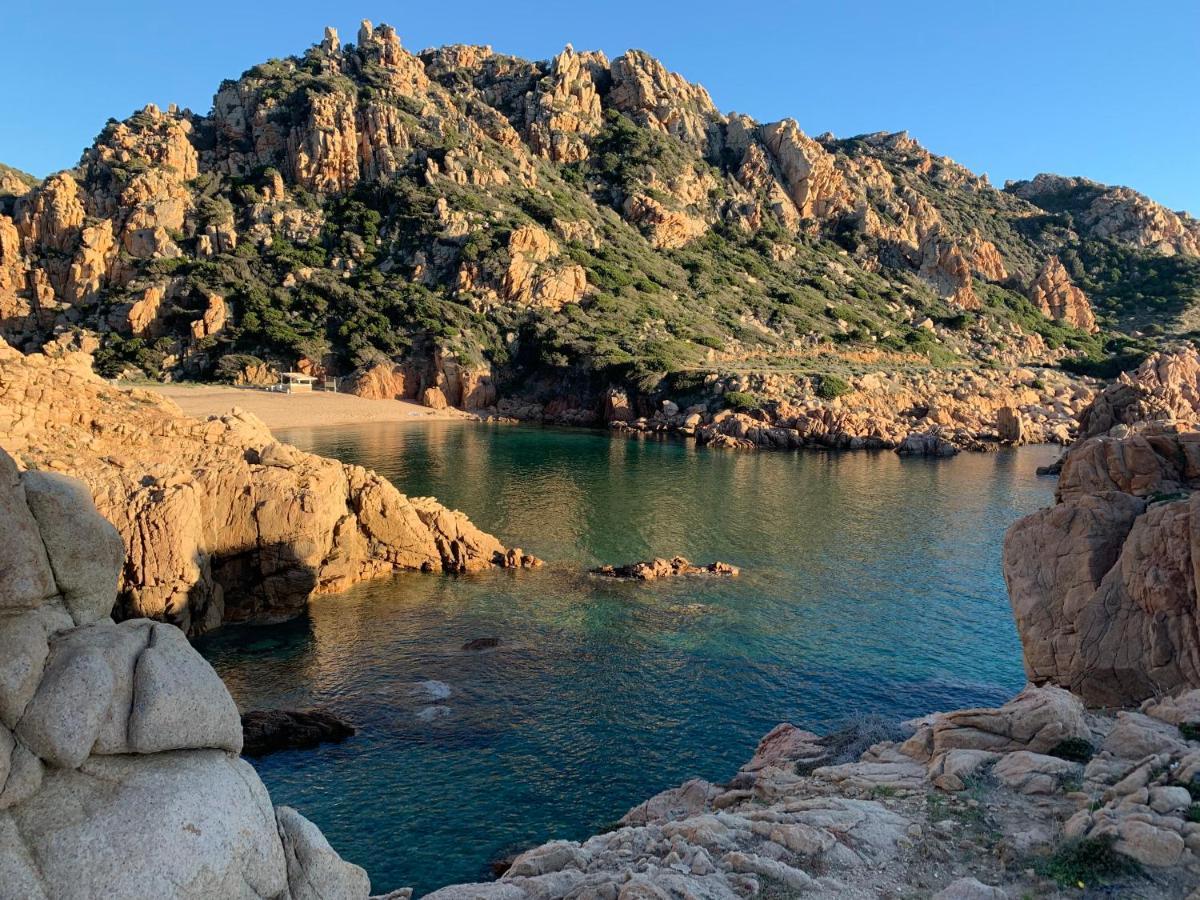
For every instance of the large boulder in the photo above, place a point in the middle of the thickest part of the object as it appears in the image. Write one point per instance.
(1103, 584)
(119, 766)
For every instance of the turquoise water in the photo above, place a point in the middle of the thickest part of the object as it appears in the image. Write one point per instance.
(869, 583)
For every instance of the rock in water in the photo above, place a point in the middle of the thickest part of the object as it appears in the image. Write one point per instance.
(432, 690)
(664, 568)
(119, 767)
(270, 730)
(484, 643)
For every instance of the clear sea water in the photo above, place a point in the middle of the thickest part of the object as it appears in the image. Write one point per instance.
(869, 584)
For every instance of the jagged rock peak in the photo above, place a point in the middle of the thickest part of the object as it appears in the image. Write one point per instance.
(1113, 212)
(1058, 298)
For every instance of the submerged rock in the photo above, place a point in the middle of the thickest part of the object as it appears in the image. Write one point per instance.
(431, 690)
(664, 568)
(271, 730)
(484, 643)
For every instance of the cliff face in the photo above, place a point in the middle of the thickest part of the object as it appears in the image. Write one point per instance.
(220, 521)
(1103, 584)
(119, 768)
(557, 228)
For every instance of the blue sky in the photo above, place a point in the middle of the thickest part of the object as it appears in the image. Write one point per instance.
(1109, 90)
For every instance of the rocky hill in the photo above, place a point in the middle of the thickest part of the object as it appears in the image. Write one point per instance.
(465, 227)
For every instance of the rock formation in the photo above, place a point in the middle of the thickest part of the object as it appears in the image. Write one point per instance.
(932, 415)
(271, 730)
(119, 768)
(985, 793)
(1114, 213)
(1053, 293)
(1165, 387)
(657, 568)
(227, 524)
(1102, 583)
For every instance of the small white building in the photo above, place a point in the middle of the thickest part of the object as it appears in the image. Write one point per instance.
(296, 383)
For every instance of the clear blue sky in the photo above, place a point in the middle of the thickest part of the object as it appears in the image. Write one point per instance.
(1104, 89)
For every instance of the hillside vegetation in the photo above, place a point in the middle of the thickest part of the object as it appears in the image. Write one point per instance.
(559, 228)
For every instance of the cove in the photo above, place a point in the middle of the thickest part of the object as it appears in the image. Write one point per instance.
(869, 583)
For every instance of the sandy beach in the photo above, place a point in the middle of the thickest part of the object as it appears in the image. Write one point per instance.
(297, 410)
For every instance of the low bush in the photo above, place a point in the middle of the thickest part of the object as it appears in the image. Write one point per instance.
(741, 401)
(1086, 861)
(831, 387)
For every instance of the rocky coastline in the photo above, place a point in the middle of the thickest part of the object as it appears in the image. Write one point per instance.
(220, 521)
(1033, 797)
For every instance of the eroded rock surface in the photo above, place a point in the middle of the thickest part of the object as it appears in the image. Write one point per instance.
(1103, 583)
(119, 767)
(220, 522)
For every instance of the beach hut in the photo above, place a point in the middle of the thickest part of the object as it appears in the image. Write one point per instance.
(297, 383)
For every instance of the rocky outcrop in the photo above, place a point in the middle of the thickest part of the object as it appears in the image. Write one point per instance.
(664, 568)
(644, 90)
(1164, 388)
(271, 730)
(1116, 213)
(1102, 584)
(231, 525)
(534, 278)
(936, 414)
(976, 790)
(566, 112)
(1053, 293)
(119, 768)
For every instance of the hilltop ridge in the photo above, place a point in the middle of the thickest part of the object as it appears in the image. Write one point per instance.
(464, 227)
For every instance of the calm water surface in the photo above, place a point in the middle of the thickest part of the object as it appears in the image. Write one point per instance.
(869, 583)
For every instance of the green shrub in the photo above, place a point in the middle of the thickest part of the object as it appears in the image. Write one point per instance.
(229, 367)
(741, 401)
(1086, 861)
(831, 387)
(1074, 749)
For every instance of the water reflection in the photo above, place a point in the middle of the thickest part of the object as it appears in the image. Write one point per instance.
(870, 583)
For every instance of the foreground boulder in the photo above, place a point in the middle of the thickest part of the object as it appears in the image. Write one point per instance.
(119, 767)
(1103, 583)
(220, 522)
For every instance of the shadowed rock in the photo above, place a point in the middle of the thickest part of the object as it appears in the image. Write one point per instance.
(271, 730)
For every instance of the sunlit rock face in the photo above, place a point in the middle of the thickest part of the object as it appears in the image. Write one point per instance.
(1102, 584)
(229, 524)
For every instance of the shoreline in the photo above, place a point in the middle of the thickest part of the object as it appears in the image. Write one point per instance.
(305, 410)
